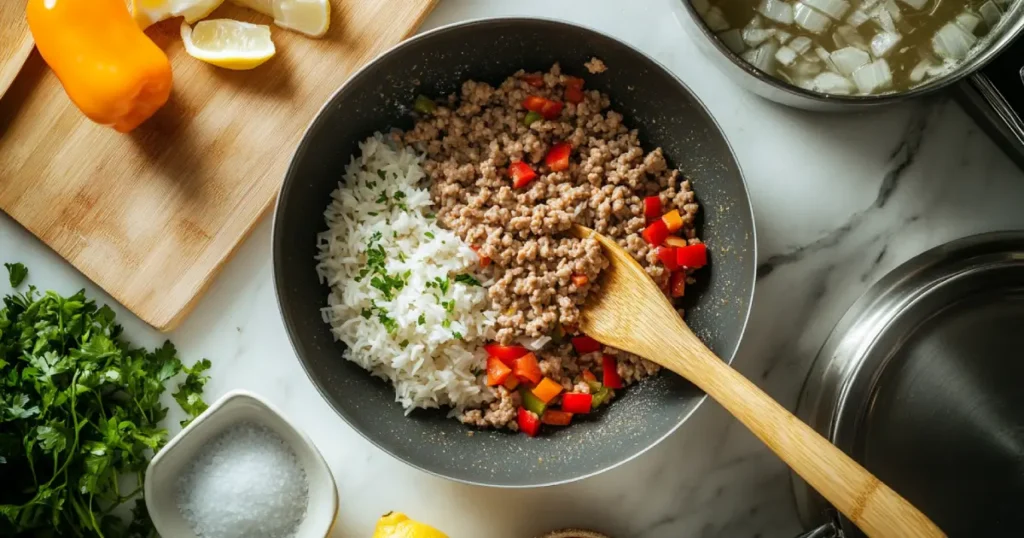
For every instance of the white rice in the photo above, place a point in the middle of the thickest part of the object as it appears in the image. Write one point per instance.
(410, 339)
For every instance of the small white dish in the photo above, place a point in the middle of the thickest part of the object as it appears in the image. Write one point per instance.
(236, 406)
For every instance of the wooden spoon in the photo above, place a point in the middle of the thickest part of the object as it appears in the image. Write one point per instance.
(15, 41)
(629, 312)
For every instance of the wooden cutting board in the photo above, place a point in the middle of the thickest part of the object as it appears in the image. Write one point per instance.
(153, 215)
(15, 42)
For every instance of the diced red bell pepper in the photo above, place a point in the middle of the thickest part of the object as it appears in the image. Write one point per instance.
(588, 375)
(576, 402)
(610, 372)
(656, 233)
(534, 80)
(574, 90)
(506, 354)
(585, 344)
(667, 255)
(511, 382)
(554, 417)
(547, 390)
(521, 173)
(527, 369)
(677, 284)
(652, 207)
(580, 280)
(675, 241)
(692, 256)
(497, 371)
(484, 260)
(529, 423)
(673, 221)
(557, 158)
(547, 108)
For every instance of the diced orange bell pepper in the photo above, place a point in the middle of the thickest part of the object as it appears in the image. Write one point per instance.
(511, 382)
(527, 369)
(497, 371)
(673, 220)
(547, 390)
(108, 66)
(484, 260)
(675, 241)
(554, 417)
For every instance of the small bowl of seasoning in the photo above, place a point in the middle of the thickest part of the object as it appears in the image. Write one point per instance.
(241, 470)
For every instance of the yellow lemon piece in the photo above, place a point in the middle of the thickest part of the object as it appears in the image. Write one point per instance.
(228, 43)
(398, 525)
(147, 12)
(310, 17)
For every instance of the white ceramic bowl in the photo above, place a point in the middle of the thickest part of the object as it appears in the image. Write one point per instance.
(234, 407)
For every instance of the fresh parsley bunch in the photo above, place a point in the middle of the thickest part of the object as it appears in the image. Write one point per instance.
(79, 415)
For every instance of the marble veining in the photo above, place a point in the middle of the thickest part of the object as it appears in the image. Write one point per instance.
(839, 200)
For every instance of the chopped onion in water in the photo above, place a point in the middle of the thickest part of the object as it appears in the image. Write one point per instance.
(953, 42)
(849, 59)
(857, 18)
(883, 43)
(777, 10)
(785, 56)
(917, 5)
(756, 36)
(833, 8)
(809, 19)
(800, 44)
(828, 82)
(715, 20)
(733, 40)
(763, 57)
(873, 76)
(968, 21)
(990, 13)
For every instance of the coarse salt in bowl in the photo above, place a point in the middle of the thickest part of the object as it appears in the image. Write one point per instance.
(238, 417)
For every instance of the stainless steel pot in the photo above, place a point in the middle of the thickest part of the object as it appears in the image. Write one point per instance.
(780, 91)
(920, 382)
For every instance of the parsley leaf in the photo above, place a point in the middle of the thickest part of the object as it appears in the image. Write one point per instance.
(422, 319)
(467, 279)
(17, 273)
(429, 235)
(80, 414)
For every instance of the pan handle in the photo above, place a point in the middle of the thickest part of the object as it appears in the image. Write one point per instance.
(828, 530)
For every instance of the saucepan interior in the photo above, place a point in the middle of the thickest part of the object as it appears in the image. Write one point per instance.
(653, 101)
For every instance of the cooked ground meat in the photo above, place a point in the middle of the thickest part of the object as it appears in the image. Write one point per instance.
(538, 271)
(595, 66)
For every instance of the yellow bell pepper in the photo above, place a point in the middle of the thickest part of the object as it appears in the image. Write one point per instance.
(108, 66)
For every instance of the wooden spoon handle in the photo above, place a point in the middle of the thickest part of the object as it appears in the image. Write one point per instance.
(870, 504)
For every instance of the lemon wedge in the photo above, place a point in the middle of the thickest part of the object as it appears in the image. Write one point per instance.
(228, 43)
(310, 17)
(147, 12)
(398, 525)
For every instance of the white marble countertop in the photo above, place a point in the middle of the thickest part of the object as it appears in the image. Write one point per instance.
(839, 200)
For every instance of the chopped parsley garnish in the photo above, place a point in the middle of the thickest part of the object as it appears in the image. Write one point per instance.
(373, 213)
(404, 344)
(383, 198)
(449, 306)
(429, 235)
(442, 284)
(467, 279)
(422, 319)
(446, 323)
(380, 174)
(366, 313)
(457, 335)
(431, 216)
(399, 195)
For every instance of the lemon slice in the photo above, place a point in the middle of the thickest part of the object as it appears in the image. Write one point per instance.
(228, 43)
(147, 12)
(310, 17)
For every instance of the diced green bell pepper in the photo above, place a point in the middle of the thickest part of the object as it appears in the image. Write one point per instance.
(600, 397)
(531, 117)
(424, 105)
(531, 402)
